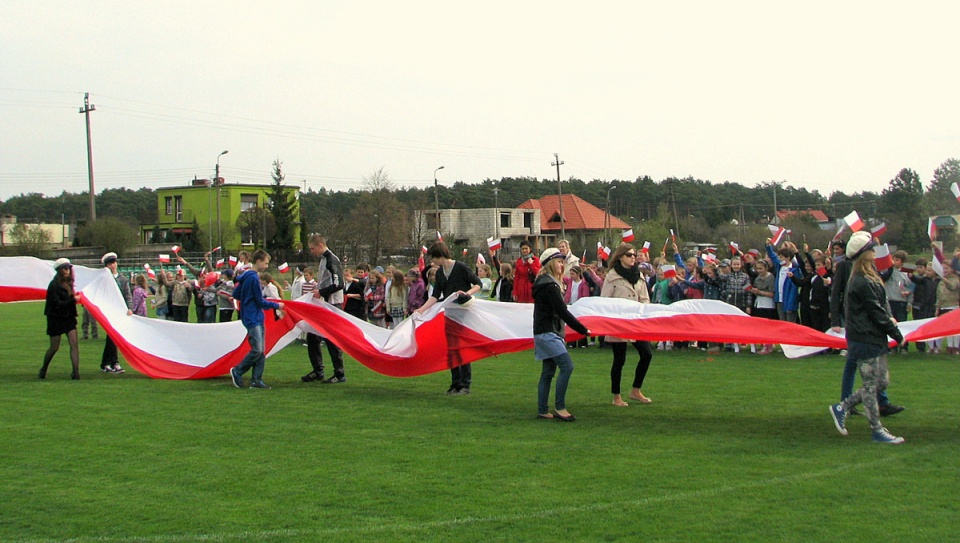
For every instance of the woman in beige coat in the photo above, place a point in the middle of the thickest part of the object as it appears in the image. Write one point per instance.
(624, 280)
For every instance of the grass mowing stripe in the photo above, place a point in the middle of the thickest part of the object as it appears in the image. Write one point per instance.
(543, 513)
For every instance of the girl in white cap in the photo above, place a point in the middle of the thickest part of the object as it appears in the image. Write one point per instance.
(549, 315)
(61, 312)
(868, 325)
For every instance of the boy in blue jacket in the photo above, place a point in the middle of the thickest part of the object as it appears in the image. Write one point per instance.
(785, 269)
(247, 291)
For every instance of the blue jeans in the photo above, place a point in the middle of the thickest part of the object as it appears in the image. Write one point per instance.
(255, 358)
(850, 373)
(208, 314)
(550, 365)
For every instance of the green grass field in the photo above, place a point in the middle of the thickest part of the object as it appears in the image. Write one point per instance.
(734, 448)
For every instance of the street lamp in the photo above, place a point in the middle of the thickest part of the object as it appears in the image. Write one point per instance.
(216, 179)
(606, 219)
(436, 198)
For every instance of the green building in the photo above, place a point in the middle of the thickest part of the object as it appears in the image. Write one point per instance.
(234, 216)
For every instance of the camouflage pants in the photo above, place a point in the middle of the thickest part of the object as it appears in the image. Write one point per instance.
(875, 377)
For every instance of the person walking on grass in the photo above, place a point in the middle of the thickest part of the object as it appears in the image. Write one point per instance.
(61, 313)
(868, 324)
(549, 315)
(248, 293)
(330, 289)
(110, 361)
(454, 279)
(625, 280)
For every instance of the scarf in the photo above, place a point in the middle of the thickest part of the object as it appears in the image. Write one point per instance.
(632, 275)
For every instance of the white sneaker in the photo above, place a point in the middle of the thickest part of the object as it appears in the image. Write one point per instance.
(884, 436)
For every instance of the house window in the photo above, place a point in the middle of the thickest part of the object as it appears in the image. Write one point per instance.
(168, 205)
(248, 202)
(504, 220)
(528, 220)
(178, 207)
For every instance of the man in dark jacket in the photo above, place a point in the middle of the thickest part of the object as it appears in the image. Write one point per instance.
(110, 361)
(329, 289)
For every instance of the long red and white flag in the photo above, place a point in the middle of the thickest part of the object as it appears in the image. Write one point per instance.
(418, 346)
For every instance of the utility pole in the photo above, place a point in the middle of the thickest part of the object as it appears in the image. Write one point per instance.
(557, 162)
(87, 108)
(496, 213)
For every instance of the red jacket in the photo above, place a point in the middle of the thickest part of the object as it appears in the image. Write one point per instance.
(525, 272)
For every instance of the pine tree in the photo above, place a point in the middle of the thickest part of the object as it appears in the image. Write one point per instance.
(281, 207)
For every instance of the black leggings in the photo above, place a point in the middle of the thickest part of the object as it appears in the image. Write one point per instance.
(620, 358)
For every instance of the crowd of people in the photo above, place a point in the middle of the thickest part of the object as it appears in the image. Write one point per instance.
(808, 287)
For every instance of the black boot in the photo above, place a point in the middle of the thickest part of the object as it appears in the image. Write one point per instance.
(43, 370)
(75, 375)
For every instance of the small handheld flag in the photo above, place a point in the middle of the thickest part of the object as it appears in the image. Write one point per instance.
(931, 229)
(734, 247)
(439, 236)
(878, 230)
(606, 253)
(480, 259)
(423, 249)
(955, 189)
(464, 252)
(215, 249)
(493, 244)
(853, 221)
(283, 268)
(220, 263)
(669, 271)
(883, 261)
(776, 234)
(673, 236)
(150, 273)
(165, 258)
(627, 235)
(600, 250)
(175, 249)
(646, 247)
(232, 260)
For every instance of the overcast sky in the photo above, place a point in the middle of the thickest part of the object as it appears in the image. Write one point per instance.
(823, 95)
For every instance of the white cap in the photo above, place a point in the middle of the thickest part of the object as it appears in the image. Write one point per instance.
(550, 254)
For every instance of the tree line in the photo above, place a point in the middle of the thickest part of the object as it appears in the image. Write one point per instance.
(376, 220)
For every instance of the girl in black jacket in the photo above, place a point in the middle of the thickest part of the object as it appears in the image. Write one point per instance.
(549, 315)
(868, 325)
(61, 312)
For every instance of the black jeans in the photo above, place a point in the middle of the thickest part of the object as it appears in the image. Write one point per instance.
(109, 357)
(620, 358)
(316, 355)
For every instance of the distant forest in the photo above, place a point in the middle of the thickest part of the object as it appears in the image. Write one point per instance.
(700, 210)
